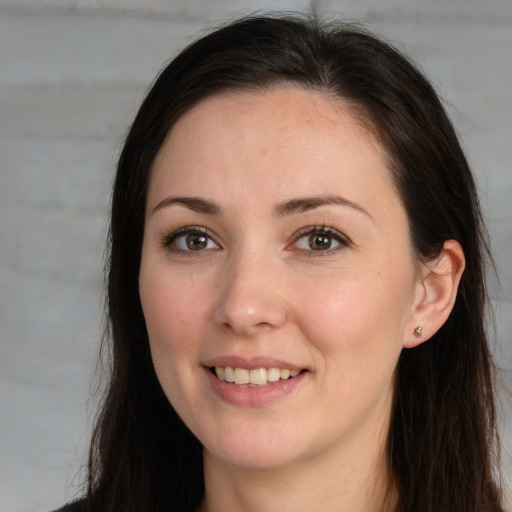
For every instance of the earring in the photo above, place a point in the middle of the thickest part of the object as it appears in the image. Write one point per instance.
(418, 330)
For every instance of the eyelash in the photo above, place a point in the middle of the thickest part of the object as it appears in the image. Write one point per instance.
(343, 240)
(171, 237)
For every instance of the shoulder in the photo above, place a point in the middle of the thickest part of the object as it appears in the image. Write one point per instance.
(74, 506)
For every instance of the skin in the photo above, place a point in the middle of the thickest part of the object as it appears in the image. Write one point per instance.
(257, 288)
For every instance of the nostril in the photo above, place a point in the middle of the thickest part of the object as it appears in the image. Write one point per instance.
(249, 308)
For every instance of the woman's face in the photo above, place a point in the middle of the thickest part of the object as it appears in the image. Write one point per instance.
(276, 244)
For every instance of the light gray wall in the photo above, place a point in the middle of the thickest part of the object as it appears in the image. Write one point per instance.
(72, 73)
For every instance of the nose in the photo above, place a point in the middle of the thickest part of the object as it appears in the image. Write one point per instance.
(251, 298)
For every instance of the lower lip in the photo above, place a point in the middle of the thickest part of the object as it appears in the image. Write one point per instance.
(253, 396)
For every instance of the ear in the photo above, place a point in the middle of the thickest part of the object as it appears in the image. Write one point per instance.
(436, 291)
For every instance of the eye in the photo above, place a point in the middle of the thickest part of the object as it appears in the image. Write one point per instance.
(320, 239)
(189, 239)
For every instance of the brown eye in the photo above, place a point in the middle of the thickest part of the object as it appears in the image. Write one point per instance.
(320, 242)
(190, 239)
(196, 242)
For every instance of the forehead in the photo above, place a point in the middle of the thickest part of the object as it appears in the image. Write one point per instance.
(290, 110)
(282, 142)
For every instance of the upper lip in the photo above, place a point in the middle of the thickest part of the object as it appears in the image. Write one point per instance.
(251, 363)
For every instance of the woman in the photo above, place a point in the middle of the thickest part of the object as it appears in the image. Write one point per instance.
(296, 287)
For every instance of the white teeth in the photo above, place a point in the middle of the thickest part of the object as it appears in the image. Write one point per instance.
(241, 376)
(229, 374)
(285, 374)
(255, 377)
(258, 376)
(273, 374)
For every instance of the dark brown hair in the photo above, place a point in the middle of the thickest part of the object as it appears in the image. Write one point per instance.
(442, 438)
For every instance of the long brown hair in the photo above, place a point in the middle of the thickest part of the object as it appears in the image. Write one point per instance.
(442, 437)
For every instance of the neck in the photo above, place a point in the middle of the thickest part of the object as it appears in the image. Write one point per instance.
(352, 482)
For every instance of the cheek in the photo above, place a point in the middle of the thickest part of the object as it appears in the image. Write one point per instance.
(173, 321)
(171, 317)
(355, 315)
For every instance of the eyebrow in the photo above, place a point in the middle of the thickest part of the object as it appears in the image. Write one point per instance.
(297, 205)
(195, 204)
(303, 204)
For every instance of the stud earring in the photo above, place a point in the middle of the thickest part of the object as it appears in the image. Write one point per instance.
(418, 330)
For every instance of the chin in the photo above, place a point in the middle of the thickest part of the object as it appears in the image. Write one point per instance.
(260, 449)
(254, 458)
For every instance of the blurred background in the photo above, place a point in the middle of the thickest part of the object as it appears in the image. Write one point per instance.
(72, 73)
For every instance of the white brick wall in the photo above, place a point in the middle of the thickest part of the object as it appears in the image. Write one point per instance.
(72, 73)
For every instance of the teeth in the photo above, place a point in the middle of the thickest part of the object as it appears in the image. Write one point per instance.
(273, 374)
(241, 376)
(285, 374)
(255, 377)
(229, 374)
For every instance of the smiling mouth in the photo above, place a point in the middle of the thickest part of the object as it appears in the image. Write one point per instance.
(255, 377)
